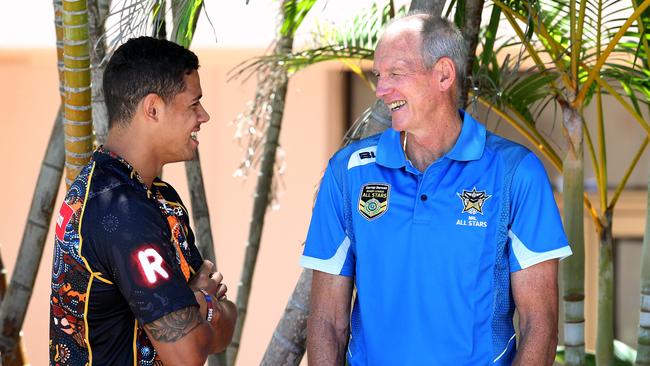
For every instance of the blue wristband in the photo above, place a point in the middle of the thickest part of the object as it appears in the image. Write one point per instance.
(208, 301)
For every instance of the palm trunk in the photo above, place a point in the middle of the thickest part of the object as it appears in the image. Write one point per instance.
(97, 13)
(470, 30)
(78, 114)
(16, 356)
(58, 26)
(287, 346)
(193, 171)
(262, 195)
(200, 212)
(14, 305)
(427, 6)
(605, 338)
(643, 348)
(573, 267)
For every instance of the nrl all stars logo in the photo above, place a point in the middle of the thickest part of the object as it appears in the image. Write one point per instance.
(473, 202)
(373, 201)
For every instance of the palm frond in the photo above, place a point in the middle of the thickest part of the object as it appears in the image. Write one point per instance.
(362, 31)
(132, 18)
(294, 62)
(353, 41)
(294, 13)
(186, 15)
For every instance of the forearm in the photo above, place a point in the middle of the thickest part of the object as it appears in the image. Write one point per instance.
(326, 345)
(537, 345)
(222, 325)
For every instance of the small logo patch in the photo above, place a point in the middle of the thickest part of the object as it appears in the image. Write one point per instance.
(473, 201)
(373, 201)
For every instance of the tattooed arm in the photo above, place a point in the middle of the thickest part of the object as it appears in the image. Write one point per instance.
(184, 337)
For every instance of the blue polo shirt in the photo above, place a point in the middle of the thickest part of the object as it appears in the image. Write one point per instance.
(431, 253)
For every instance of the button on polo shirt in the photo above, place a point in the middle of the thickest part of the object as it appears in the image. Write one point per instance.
(431, 252)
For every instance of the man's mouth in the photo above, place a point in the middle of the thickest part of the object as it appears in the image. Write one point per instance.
(393, 106)
(194, 135)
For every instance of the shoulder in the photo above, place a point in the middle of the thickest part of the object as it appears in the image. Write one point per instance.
(505, 149)
(118, 202)
(356, 153)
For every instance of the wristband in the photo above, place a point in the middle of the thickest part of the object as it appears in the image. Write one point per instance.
(208, 301)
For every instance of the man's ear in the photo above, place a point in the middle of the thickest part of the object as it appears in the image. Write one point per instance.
(151, 107)
(446, 73)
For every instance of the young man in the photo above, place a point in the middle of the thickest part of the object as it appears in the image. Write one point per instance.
(442, 227)
(128, 284)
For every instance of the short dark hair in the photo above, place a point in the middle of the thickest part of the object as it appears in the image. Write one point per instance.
(142, 66)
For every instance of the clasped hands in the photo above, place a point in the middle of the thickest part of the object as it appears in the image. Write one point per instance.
(208, 280)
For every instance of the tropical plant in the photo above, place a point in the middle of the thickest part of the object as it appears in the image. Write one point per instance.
(643, 343)
(15, 302)
(97, 14)
(21, 285)
(77, 123)
(579, 40)
(15, 356)
(262, 123)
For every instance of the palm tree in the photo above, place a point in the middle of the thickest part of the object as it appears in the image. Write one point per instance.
(77, 105)
(579, 39)
(273, 79)
(16, 356)
(97, 15)
(18, 294)
(643, 345)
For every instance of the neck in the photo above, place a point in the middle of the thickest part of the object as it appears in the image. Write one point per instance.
(127, 144)
(423, 148)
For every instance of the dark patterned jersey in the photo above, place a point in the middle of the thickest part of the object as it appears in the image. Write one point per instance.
(123, 255)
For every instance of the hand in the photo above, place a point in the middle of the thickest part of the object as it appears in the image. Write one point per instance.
(207, 280)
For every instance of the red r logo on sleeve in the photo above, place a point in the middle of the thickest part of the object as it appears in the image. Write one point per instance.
(62, 220)
(151, 264)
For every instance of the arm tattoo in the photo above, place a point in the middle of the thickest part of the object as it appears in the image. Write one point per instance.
(174, 326)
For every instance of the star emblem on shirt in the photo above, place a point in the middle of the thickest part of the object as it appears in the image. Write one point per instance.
(473, 200)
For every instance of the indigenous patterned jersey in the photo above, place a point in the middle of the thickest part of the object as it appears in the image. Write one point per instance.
(123, 255)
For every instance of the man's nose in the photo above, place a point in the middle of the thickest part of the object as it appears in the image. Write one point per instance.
(382, 88)
(205, 117)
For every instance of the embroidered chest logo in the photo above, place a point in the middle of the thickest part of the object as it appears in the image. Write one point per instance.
(473, 202)
(373, 201)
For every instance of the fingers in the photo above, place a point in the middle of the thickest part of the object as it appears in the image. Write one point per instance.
(207, 267)
(221, 292)
(216, 276)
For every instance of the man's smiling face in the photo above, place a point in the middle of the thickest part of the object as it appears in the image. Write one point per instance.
(403, 82)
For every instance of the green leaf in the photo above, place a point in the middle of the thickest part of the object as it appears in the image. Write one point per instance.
(185, 24)
(295, 12)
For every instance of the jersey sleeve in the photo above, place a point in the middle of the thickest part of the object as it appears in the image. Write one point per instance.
(130, 245)
(536, 233)
(328, 248)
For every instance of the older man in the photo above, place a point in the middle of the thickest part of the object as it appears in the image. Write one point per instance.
(128, 284)
(442, 227)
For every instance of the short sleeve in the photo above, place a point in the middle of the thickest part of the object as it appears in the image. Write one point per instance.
(328, 248)
(536, 233)
(129, 242)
